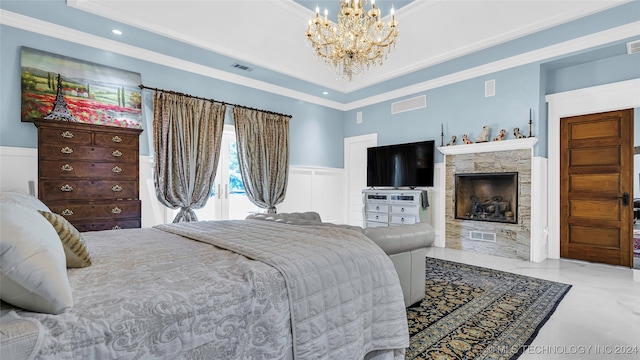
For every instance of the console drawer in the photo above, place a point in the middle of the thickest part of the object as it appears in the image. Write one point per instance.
(400, 219)
(378, 217)
(402, 210)
(378, 208)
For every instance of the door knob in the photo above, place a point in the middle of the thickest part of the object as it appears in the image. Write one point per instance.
(625, 199)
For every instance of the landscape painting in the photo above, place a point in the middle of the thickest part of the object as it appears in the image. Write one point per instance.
(94, 94)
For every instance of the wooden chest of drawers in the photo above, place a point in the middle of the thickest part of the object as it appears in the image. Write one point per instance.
(90, 174)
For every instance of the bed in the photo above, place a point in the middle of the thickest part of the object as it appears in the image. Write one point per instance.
(244, 289)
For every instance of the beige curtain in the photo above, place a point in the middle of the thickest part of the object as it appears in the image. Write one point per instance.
(187, 133)
(263, 155)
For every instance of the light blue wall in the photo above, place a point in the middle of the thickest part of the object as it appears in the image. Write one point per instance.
(461, 108)
(312, 127)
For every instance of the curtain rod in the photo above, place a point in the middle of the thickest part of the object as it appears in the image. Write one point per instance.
(141, 86)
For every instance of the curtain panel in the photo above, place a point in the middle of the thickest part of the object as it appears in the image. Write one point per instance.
(263, 155)
(187, 133)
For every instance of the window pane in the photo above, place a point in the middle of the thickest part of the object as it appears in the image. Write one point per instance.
(235, 179)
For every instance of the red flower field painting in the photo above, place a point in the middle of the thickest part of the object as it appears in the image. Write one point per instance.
(95, 94)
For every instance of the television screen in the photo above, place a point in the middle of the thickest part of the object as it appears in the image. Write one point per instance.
(401, 165)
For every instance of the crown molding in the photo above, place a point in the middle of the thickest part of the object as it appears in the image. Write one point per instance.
(30, 24)
(563, 48)
(64, 33)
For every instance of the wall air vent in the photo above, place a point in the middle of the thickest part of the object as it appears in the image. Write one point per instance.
(489, 88)
(482, 236)
(241, 67)
(633, 47)
(418, 102)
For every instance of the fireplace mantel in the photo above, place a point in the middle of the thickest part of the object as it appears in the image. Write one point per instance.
(504, 145)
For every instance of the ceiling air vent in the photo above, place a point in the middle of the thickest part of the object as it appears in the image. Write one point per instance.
(241, 67)
(409, 104)
(633, 47)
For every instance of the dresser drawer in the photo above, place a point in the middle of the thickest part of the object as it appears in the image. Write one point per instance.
(81, 152)
(113, 210)
(107, 225)
(400, 219)
(384, 208)
(408, 199)
(377, 217)
(78, 169)
(65, 136)
(119, 140)
(401, 209)
(85, 189)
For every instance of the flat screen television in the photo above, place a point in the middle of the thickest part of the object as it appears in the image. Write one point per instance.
(401, 165)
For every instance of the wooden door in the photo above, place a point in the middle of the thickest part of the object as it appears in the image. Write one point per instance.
(596, 173)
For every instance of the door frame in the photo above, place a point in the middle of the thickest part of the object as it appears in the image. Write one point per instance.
(609, 97)
(348, 168)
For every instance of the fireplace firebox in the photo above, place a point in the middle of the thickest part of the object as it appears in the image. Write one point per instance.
(487, 197)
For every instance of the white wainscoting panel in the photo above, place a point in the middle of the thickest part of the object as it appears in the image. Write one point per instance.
(315, 189)
(18, 166)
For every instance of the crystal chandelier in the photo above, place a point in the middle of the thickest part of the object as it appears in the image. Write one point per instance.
(359, 40)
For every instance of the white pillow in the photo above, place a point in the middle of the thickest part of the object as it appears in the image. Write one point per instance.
(16, 197)
(33, 272)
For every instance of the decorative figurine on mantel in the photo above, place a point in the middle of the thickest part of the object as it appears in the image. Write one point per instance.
(452, 141)
(500, 136)
(484, 135)
(518, 135)
(60, 110)
(465, 139)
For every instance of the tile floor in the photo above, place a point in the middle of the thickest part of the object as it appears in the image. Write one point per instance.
(598, 317)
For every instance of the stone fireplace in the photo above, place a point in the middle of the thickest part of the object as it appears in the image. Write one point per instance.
(488, 198)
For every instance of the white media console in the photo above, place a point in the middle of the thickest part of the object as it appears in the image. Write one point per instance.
(393, 207)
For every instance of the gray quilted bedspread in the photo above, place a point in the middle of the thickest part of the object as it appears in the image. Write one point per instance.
(344, 293)
(150, 294)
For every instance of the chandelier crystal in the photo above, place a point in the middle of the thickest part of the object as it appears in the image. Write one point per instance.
(358, 41)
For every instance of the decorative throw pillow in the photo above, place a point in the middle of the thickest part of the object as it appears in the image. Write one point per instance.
(33, 270)
(75, 248)
(26, 200)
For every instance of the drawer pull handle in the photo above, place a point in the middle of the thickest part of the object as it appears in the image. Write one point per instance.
(116, 228)
(116, 153)
(116, 169)
(401, 209)
(66, 150)
(401, 219)
(116, 139)
(66, 212)
(116, 210)
(66, 188)
(67, 135)
(116, 188)
(377, 217)
(377, 207)
(66, 167)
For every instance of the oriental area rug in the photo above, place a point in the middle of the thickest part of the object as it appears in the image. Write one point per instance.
(471, 312)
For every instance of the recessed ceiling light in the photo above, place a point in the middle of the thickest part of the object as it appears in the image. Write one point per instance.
(116, 31)
(325, 93)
